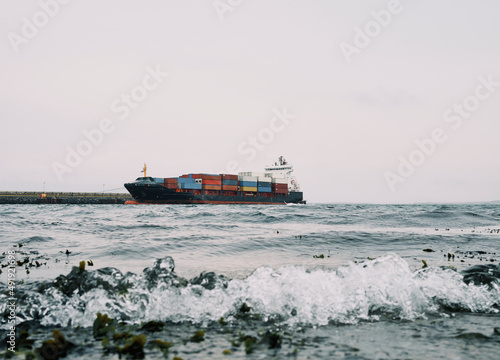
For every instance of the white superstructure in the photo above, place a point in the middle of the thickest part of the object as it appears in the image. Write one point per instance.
(283, 170)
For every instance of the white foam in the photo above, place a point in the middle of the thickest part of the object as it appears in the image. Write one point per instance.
(367, 291)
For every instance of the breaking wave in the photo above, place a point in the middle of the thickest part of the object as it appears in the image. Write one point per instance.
(369, 291)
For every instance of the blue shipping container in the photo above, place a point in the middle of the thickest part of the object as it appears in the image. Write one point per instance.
(248, 183)
(159, 180)
(263, 189)
(192, 186)
(229, 182)
(186, 180)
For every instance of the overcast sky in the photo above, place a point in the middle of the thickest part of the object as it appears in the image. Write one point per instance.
(372, 101)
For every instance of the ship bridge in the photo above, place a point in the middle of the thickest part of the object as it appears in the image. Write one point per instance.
(282, 168)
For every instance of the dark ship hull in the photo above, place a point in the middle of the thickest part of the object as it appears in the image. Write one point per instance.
(148, 192)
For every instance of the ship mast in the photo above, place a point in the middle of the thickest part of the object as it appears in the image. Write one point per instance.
(144, 169)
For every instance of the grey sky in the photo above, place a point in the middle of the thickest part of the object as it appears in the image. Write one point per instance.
(230, 72)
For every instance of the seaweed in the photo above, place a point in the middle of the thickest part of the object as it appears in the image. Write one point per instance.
(199, 336)
(55, 349)
(103, 326)
(163, 345)
(153, 326)
(134, 346)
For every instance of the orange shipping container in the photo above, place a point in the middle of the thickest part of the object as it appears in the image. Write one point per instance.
(230, 187)
(211, 182)
(211, 187)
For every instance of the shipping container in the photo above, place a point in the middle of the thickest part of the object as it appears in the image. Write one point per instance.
(206, 176)
(186, 181)
(264, 180)
(251, 174)
(248, 183)
(230, 187)
(192, 186)
(280, 181)
(263, 189)
(211, 187)
(211, 182)
(280, 190)
(229, 177)
(247, 178)
(229, 182)
(159, 180)
(171, 180)
(248, 188)
(280, 186)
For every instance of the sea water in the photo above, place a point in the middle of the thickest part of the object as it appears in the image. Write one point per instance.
(318, 281)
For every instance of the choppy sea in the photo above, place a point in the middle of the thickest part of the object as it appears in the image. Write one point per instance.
(316, 281)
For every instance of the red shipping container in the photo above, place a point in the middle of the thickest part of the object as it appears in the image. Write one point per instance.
(229, 177)
(206, 177)
(171, 180)
(280, 187)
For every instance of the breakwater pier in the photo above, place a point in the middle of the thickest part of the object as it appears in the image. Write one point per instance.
(33, 197)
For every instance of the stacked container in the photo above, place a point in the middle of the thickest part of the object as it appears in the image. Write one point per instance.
(264, 184)
(248, 183)
(170, 183)
(205, 176)
(280, 186)
(208, 181)
(229, 182)
(188, 183)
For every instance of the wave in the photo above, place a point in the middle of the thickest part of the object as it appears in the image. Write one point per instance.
(36, 239)
(291, 295)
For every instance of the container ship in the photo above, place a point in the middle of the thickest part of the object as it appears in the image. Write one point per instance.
(274, 186)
